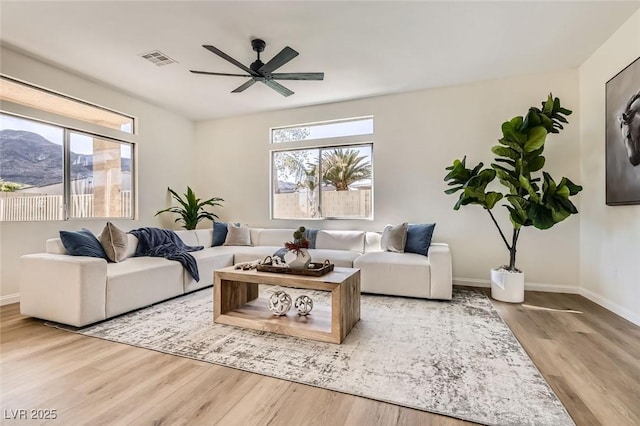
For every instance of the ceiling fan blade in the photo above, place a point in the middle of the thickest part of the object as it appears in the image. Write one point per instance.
(279, 60)
(228, 58)
(220, 73)
(278, 87)
(244, 87)
(298, 76)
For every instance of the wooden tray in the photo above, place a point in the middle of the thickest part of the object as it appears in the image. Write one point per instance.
(314, 269)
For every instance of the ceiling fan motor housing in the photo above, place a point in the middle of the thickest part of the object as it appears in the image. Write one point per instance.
(258, 45)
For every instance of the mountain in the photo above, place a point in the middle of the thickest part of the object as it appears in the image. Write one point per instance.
(28, 158)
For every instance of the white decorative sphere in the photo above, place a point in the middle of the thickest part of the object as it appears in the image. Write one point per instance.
(279, 303)
(304, 305)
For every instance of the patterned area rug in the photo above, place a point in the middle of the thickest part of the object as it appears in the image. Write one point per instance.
(453, 358)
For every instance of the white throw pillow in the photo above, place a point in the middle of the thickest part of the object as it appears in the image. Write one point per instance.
(114, 242)
(394, 238)
(237, 235)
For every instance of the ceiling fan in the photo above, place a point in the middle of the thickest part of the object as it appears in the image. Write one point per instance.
(259, 71)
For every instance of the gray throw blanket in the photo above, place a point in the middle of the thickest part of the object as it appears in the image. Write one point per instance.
(165, 243)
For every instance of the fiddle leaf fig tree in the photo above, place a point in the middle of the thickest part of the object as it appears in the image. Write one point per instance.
(191, 208)
(532, 196)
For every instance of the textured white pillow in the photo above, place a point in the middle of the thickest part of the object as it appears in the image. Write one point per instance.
(114, 242)
(394, 238)
(237, 235)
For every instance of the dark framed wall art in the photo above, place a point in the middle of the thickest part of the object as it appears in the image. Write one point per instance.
(623, 136)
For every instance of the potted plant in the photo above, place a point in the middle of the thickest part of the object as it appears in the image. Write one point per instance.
(530, 199)
(191, 209)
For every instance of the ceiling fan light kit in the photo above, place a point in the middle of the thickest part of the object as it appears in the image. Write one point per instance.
(259, 71)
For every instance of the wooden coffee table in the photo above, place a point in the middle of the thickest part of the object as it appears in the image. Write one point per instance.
(237, 302)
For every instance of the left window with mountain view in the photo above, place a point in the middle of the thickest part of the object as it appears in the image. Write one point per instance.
(49, 171)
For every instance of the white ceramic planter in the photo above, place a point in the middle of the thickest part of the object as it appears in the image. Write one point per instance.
(301, 261)
(507, 286)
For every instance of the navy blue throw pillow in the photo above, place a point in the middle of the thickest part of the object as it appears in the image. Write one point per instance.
(82, 243)
(419, 238)
(311, 234)
(219, 233)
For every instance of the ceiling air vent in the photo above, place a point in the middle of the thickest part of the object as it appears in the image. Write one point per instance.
(158, 58)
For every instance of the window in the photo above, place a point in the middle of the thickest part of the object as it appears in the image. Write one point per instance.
(327, 181)
(328, 129)
(53, 172)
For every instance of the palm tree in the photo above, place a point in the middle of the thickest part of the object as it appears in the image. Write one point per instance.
(342, 167)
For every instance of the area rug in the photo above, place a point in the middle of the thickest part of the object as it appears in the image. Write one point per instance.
(453, 358)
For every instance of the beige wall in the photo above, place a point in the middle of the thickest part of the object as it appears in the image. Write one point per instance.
(609, 235)
(164, 151)
(417, 135)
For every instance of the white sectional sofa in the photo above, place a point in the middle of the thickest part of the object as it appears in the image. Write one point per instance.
(78, 290)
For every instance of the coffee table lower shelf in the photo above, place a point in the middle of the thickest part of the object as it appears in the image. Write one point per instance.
(256, 315)
(237, 302)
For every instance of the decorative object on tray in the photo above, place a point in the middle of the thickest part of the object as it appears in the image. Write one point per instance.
(299, 246)
(245, 266)
(303, 304)
(313, 269)
(279, 303)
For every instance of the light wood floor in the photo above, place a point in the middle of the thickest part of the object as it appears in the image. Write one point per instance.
(590, 359)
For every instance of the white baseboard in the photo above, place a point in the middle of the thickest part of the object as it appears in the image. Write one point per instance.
(551, 288)
(9, 299)
(611, 306)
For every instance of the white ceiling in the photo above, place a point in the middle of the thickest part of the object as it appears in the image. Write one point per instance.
(364, 48)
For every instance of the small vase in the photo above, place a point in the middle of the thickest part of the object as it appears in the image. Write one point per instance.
(302, 260)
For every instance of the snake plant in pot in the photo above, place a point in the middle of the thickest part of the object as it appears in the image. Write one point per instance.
(191, 208)
(532, 197)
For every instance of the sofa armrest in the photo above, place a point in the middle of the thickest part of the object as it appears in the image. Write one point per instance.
(441, 275)
(62, 288)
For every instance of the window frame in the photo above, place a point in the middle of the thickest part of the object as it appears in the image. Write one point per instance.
(68, 125)
(16, 107)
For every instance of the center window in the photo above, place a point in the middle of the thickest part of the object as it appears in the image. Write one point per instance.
(323, 179)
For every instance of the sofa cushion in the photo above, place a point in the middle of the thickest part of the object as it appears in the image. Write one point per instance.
(394, 238)
(132, 245)
(274, 237)
(237, 235)
(141, 281)
(419, 238)
(401, 274)
(340, 240)
(188, 237)
(372, 242)
(208, 260)
(114, 242)
(55, 246)
(341, 258)
(82, 243)
(205, 237)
